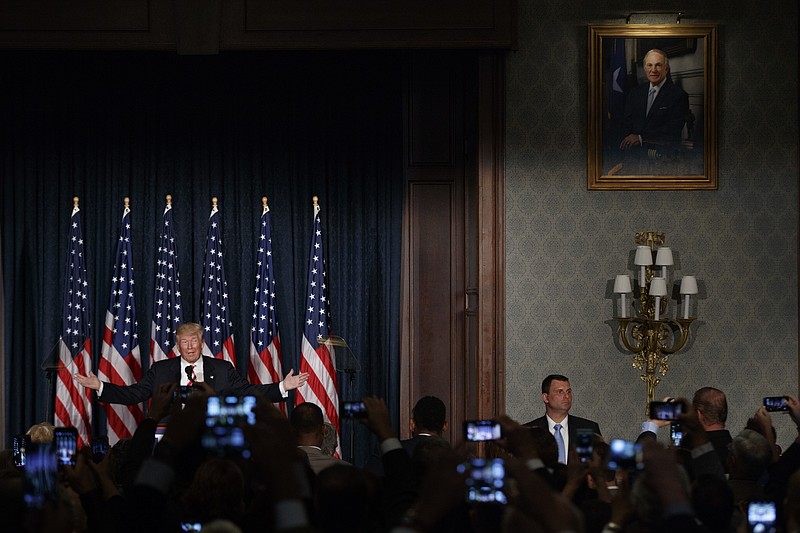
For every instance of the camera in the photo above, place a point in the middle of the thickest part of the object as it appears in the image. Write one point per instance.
(223, 432)
(40, 479)
(584, 446)
(676, 434)
(354, 410)
(485, 480)
(19, 449)
(66, 444)
(624, 455)
(482, 430)
(777, 403)
(666, 410)
(761, 517)
(191, 526)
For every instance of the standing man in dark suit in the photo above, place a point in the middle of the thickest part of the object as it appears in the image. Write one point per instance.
(189, 369)
(428, 419)
(656, 111)
(557, 398)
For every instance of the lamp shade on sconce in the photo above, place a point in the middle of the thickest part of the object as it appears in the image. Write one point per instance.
(658, 287)
(644, 256)
(689, 285)
(622, 284)
(664, 256)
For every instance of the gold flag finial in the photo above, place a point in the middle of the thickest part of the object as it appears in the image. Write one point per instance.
(127, 202)
(169, 199)
(75, 202)
(315, 200)
(214, 202)
(264, 202)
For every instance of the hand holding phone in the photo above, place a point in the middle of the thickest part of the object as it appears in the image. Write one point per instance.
(777, 404)
(666, 410)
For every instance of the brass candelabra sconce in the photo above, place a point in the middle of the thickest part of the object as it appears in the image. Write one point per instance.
(643, 327)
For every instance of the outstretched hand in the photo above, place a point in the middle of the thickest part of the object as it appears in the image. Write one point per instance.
(292, 380)
(89, 380)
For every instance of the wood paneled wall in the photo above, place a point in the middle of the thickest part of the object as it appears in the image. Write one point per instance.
(453, 276)
(208, 26)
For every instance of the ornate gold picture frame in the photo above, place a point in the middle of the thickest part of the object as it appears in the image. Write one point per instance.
(670, 142)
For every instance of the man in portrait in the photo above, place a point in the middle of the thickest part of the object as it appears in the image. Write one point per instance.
(655, 114)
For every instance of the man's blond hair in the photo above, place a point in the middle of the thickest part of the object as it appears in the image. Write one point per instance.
(41, 432)
(189, 328)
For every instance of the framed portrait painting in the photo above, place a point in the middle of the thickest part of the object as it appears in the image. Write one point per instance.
(652, 106)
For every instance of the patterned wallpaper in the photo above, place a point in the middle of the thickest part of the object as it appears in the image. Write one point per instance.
(565, 244)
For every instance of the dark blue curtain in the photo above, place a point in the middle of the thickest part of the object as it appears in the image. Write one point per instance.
(238, 126)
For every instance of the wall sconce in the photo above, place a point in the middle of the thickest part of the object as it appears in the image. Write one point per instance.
(645, 331)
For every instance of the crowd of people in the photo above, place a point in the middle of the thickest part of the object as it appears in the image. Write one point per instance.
(289, 480)
(228, 466)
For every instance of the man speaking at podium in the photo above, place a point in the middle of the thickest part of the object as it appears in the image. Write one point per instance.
(190, 368)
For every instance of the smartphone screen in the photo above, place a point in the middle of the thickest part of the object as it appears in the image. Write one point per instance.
(40, 475)
(761, 517)
(182, 393)
(19, 449)
(99, 448)
(624, 455)
(482, 430)
(676, 434)
(584, 446)
(225, 418)
(485, 480)
(665, 410)
(776, 403)
(354, 410)
(66, 444)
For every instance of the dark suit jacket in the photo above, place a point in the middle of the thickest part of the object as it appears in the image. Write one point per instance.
(375, 462)
(574, 424)
(219, 374)
(667, 115)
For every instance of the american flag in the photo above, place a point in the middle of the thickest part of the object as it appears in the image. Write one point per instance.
(120, 363)
(265, 342)
(167, 311)
(73, 402)
(316, 354)
(216, 321)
